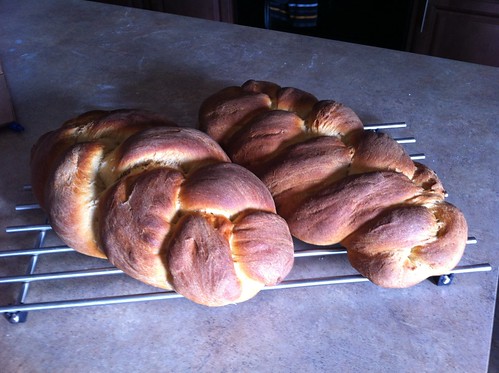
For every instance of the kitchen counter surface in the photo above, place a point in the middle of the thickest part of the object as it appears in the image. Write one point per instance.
(62, 58)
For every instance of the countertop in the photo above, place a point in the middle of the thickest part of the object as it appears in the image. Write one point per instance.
(62, 58)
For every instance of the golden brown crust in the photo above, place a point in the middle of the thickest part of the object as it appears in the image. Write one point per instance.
(44, 156)
(230, 107)
(302, 168)
(162, 203)
(261, 86)
(428, 180)
(72, 198)
(200, 261)
(182, 148)
(295, 100)
(135, 221)
(265, 260)
(335, 182)
(408, 245)
(225, 189)
(444, 253)
(108, 128)
(263, 136)
(377, 152)
(368, 195)
(331, 118)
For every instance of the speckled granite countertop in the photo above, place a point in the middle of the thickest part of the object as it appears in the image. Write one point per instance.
(65, 57)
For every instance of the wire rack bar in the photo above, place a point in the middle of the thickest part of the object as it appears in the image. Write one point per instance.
(332, 250)
(289, 284)
(337, 249)
(28, 228)
(119, 299)
(405, 140)
(36, 251)
(417, 156)
(61, 275)
(385, 126)
(28, 206)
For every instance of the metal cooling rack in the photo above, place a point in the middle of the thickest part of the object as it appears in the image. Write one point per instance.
(18, 310)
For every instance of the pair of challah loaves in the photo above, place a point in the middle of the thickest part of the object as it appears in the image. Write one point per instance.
(163, 203)
(334, 182)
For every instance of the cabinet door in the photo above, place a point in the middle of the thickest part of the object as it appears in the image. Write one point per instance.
(466, 30)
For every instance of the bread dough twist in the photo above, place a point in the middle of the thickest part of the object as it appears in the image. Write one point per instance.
(334, 182)
(163, 203)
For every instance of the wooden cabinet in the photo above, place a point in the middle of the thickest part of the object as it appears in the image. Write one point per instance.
(378, 23)
(466, 30)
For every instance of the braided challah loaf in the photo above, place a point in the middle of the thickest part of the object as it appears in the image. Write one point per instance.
(334, 182)
(163, 203)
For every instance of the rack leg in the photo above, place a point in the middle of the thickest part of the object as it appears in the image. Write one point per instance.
(444, 280)
(16, 317)
(21, 316)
